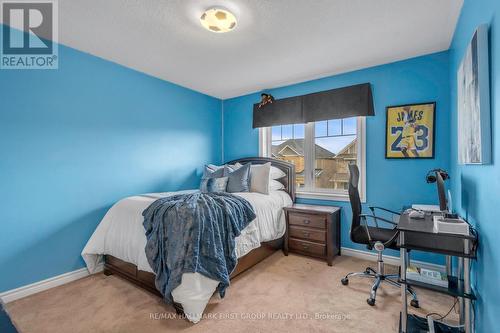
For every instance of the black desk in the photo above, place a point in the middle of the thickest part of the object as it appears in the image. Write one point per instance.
(418, 234)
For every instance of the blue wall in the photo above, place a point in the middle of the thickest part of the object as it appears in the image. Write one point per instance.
(75, 140)
(476, 188)
(390, 183)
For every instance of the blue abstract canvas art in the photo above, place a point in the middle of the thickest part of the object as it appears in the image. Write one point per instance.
(474, 129)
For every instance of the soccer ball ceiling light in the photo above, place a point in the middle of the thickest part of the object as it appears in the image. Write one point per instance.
(218, 20)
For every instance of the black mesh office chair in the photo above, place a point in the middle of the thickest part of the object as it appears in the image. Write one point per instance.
(374, 237)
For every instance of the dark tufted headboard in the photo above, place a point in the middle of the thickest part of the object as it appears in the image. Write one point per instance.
(286, 167)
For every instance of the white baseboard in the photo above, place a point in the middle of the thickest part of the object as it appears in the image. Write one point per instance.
(391, 260)
(30, 289)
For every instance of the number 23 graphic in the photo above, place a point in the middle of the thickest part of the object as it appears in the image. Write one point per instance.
(422, 137)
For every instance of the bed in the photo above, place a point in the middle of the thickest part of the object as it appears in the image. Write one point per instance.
(119, 240)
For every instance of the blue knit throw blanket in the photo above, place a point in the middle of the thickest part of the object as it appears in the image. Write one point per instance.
(188, 233)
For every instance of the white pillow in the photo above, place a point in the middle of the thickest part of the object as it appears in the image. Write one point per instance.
(275, 172)
(275, 185)
(259, 178)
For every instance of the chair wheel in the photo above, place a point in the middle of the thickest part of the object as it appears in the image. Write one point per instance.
(414, 303)
(345, 281)
(371, 301)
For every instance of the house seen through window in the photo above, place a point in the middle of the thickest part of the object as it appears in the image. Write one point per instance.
(321, 152)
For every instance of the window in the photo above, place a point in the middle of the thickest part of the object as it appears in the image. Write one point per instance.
(321, 152)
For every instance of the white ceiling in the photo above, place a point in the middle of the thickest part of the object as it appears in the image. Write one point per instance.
(276, 42)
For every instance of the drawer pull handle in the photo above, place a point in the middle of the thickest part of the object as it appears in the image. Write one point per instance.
(305, 247)
(307, 221)
(306, 234)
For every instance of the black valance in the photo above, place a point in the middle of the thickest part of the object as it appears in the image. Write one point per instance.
(338, 103)
(281, 112)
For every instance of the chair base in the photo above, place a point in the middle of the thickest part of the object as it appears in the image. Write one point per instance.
(378, 277)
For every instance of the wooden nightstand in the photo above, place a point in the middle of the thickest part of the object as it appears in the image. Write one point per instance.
(313, 231)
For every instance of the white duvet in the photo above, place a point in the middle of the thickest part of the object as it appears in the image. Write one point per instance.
(121, 235)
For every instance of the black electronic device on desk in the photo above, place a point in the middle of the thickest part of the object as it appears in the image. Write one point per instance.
(419, 324)
(423, 232)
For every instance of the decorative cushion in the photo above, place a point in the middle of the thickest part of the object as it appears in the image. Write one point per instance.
(259, 178)
(216, 184)
(213, 171)
(239, 179)
(214, 167)
(209, 173)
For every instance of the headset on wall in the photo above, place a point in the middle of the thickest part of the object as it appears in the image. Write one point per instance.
(431, 175)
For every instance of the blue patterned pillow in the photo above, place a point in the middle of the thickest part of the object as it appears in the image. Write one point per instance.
(212, 171)
(239, 179)
(217, 184)
(208, 173)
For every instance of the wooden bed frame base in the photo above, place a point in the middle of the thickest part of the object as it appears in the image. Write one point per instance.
(146, 280)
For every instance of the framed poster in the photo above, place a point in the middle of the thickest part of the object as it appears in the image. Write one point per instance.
(410, 131)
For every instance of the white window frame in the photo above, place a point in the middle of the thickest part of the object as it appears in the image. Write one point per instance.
(265, 137)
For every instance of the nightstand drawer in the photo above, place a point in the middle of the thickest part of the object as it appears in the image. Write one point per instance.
(307, 247)
(313, 230)
(307, 233)
(307, 220)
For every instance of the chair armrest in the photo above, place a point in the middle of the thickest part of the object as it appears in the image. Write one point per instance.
(372, 208)
(370, 241)
(377, 218)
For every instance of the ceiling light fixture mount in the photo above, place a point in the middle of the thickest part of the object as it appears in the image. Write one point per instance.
(218, 20)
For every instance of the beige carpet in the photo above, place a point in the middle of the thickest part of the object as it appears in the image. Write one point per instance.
(281, 294)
